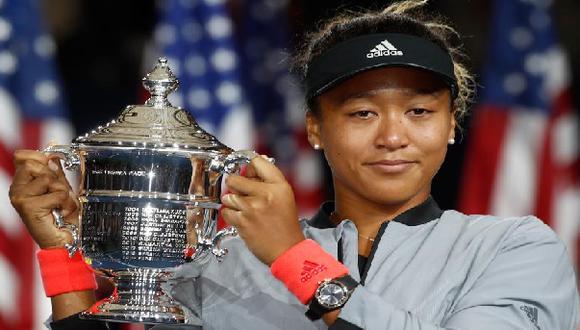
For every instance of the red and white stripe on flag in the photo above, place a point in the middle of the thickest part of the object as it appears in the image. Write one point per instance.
(520, 163)
(23, 304)
(31, 115)
(523, 153)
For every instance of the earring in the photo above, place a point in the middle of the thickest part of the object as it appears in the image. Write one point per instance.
(316, 147)
(451, 141)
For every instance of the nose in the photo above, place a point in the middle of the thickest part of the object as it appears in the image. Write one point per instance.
(392, 133)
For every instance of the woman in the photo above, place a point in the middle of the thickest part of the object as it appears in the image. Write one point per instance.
(385, 93)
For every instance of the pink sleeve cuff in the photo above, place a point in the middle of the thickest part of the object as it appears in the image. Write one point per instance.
(302, 267)
(62, 274)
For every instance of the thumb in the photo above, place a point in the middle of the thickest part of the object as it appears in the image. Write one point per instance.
(262, 168)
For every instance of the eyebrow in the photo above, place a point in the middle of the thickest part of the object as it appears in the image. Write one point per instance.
(407, 91)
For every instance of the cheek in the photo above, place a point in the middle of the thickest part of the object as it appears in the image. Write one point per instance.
(336, 146)
(341, 146)
(433, 144)
(433, 141)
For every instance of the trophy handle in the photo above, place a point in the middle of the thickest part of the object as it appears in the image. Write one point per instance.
(230, 164)
(66, 153)
(59, 222)
(71, 162)
(216, 250)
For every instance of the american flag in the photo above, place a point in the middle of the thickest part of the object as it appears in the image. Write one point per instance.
(31, 115)
(523, 142)
(234, 80)
(197, 39)
(277, 99)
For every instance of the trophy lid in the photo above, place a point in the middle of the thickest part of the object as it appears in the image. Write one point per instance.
(157, 124)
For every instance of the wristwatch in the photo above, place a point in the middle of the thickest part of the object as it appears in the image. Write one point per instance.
(331, 295)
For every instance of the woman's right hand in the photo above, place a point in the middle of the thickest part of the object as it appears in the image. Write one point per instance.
(39, 186)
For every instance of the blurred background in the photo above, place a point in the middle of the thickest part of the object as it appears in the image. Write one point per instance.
(67, 66)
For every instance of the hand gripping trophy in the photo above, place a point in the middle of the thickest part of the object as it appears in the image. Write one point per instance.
(150, 183)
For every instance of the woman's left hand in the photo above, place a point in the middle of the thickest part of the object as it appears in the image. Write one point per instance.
(261, 206)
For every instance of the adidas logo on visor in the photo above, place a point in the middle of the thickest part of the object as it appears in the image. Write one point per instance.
(385, 48)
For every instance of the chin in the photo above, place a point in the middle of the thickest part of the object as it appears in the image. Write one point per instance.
(385, 189)
(391, 194)
(393, 198)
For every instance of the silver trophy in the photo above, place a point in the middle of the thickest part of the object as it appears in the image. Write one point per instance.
(150, 184)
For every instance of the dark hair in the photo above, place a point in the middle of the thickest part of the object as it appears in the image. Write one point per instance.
(406, 17)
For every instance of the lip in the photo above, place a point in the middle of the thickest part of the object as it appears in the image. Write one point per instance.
(391, 166)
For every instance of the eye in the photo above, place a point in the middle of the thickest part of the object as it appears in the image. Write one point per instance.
(363, 114)
(419, 112)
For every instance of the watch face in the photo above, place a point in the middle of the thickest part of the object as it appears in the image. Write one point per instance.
(331, 295)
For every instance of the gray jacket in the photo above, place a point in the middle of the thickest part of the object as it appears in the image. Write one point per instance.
(428, 269)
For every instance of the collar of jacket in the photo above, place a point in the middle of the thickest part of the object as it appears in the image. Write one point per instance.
(418, 215)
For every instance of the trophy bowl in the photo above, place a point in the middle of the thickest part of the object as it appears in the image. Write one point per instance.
(150, 185)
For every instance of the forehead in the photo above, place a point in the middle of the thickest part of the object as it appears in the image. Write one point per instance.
(410, 81)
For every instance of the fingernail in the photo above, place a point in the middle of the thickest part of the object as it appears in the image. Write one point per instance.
(52, 165)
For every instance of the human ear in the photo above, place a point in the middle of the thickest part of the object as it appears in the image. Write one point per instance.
(313, 130)
(452, 126)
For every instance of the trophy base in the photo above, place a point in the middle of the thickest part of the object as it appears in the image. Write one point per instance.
(107, 311)
(138, 298)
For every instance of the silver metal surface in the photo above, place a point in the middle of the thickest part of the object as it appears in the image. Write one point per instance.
(59, 222)
(156, 124)
(67, 154)
(138, 297)
(150, 186)
(216, 250)
(231, 162)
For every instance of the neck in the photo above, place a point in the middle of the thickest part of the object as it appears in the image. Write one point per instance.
(368, 215)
